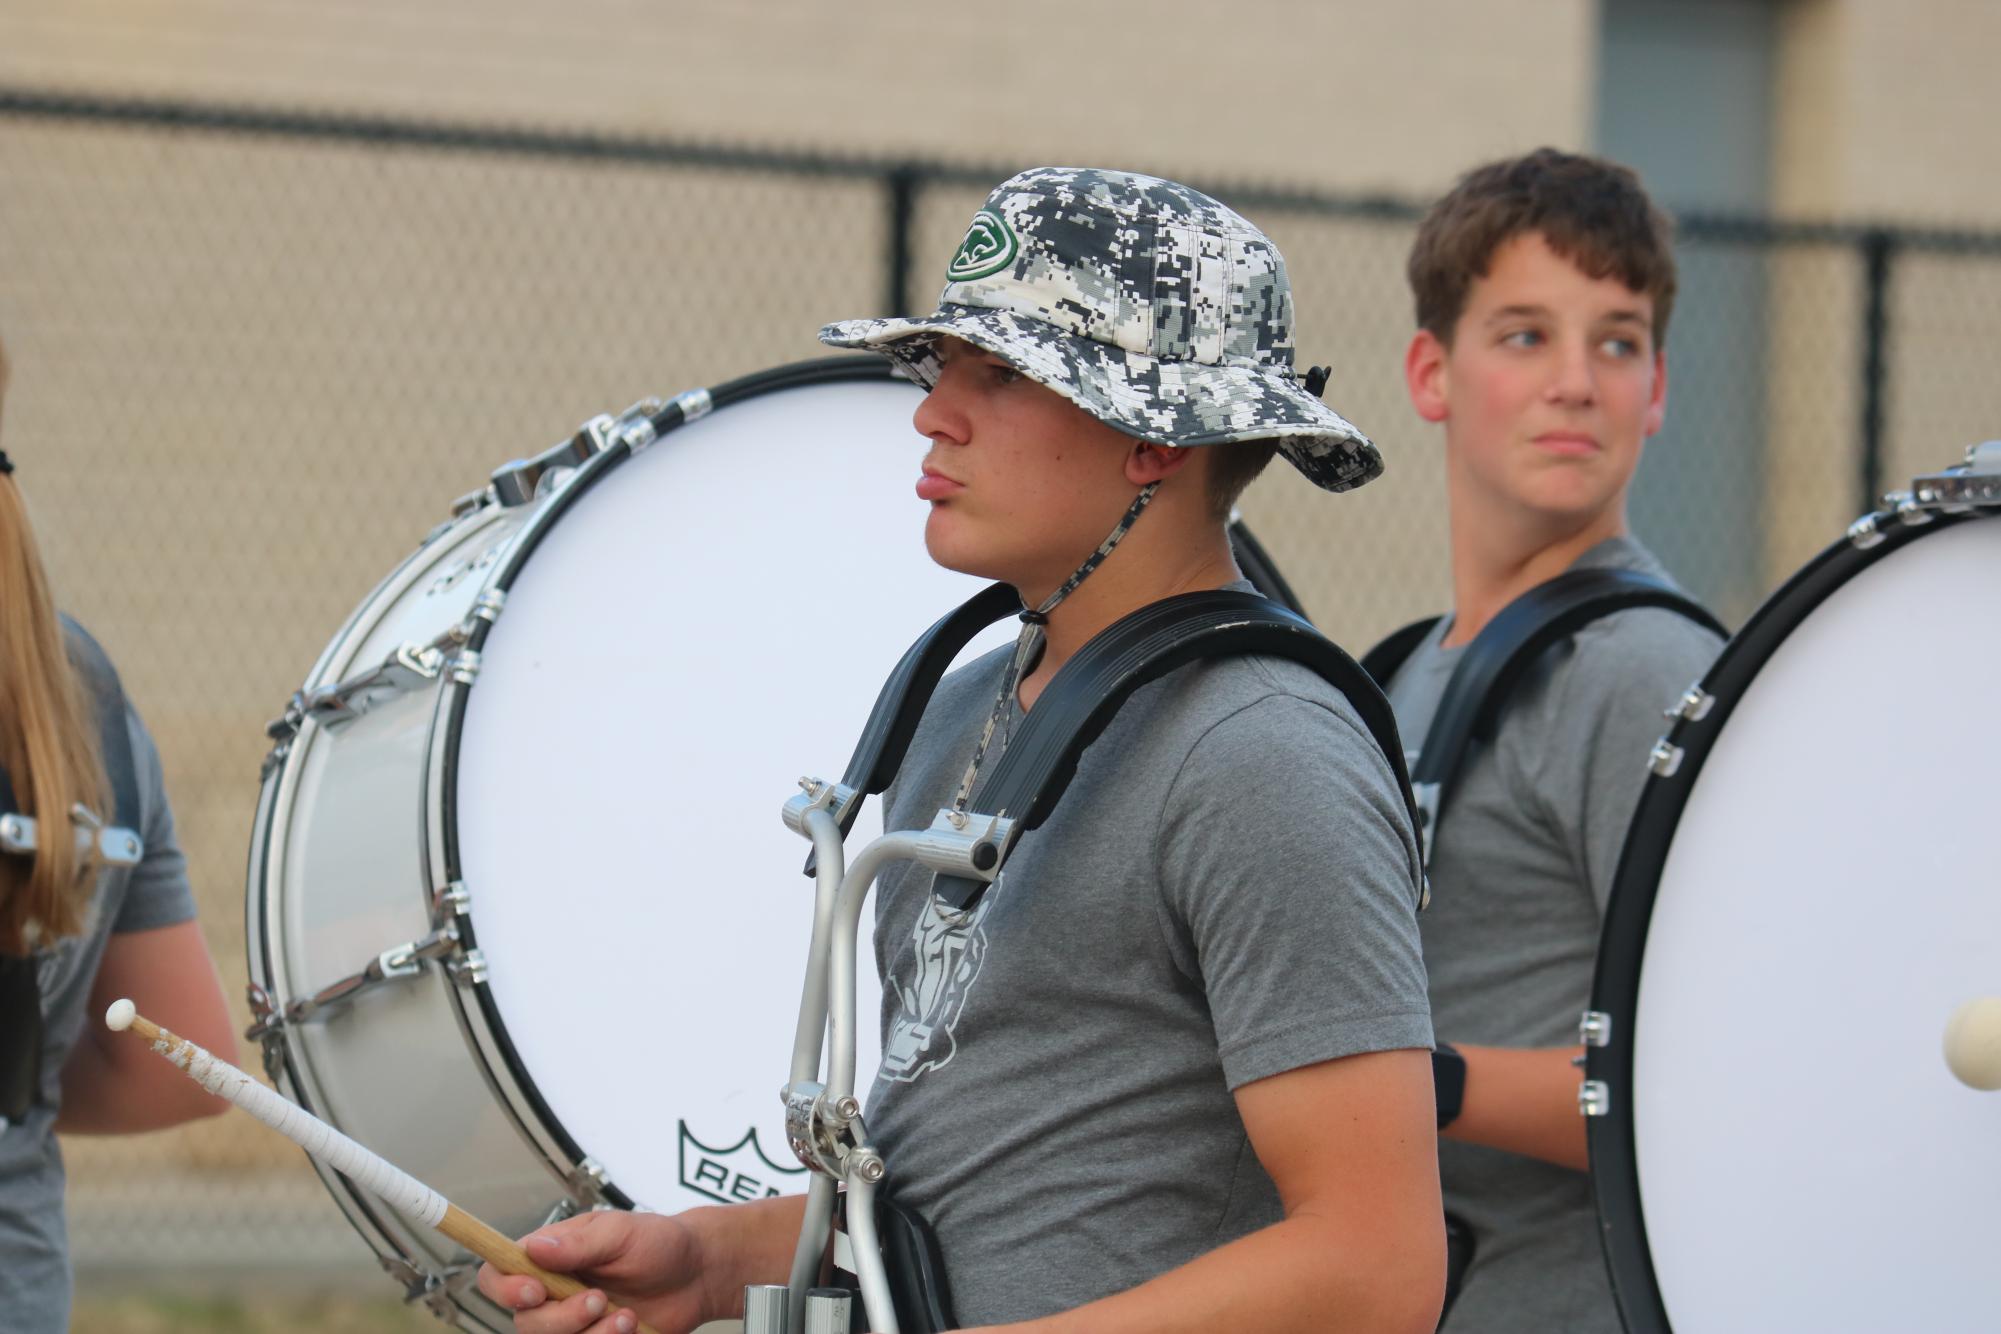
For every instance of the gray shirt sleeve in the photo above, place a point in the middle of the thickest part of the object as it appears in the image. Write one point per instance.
(1588, 763)
(1291, 882)
(158, 893)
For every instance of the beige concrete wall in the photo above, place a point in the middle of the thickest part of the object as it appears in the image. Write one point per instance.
(1883, 112)
(1380, 94)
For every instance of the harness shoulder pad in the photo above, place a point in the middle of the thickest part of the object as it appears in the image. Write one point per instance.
(1382, 661)
(1090, 689)
(1503, 651)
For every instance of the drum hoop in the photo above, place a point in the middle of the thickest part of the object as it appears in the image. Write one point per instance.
(488, 1027)
(1615, 984)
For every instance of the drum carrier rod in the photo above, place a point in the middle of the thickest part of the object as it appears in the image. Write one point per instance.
(823, 1121)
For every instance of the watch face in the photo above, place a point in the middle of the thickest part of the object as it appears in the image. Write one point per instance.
(1448, 1082)
(20, 1035)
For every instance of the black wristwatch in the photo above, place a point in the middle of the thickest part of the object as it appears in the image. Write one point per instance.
(1448, 1082)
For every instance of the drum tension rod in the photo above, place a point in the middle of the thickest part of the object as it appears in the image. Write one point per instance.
(406, 960)
(433, 1291)
(407, 668)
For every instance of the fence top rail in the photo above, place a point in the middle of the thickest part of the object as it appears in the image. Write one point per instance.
(173, 114)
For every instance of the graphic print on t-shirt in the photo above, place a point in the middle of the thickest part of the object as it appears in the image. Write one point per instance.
(949, 948)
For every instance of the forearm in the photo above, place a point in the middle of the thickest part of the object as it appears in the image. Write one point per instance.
(1306, 1274)
(741, 1244)
(105, 1095)
(113, 1085)
(1524, 1102)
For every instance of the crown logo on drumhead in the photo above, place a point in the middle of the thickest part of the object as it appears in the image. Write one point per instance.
(989, 247)
(743, 1171)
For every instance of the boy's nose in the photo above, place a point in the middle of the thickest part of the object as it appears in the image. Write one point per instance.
(1571, 379)
(940, 415)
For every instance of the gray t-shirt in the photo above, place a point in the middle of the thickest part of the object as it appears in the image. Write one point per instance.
(1227, 891)
(34, 1237)
(1520, 875)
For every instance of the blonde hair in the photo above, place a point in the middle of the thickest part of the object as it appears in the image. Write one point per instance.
(48, 739)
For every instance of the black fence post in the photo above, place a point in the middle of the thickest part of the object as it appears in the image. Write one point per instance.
(901, 183)
(1878, 251)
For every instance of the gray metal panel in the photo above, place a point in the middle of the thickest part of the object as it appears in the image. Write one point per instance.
(1684, 97)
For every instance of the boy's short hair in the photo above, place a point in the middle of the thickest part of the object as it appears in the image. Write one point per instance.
(1232, 468)
(1591, 211)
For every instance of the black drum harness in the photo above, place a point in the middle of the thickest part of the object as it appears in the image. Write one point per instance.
(1498, 657)
(890, 1251)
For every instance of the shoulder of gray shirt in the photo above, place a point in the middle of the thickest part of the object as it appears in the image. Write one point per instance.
(1646, 648)
(1592, 707)
(158, 892)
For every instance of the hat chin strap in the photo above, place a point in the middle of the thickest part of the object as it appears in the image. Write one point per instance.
(1032, 620)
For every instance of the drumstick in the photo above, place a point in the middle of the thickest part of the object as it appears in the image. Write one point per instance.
(399, 1189)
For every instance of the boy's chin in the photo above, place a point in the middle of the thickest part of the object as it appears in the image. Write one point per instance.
(952, 551)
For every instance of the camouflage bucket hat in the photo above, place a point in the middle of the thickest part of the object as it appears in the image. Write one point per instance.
(1147, 304)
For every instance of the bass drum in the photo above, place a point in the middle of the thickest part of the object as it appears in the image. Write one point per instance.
(1807, 895)
(522, 914)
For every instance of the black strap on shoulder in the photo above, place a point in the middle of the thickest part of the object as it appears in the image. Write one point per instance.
(904, 696)
(1506, 647)
(115, 743)
(1147, 644)
(115, 739)
(899, 706)
(1382, 661)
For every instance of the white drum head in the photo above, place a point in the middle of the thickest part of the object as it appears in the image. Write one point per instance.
(711, 621)
(1806, 1161)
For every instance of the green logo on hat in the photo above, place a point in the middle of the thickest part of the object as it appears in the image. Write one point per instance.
(989, 247)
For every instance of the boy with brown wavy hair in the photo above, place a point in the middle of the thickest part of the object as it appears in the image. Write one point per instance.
(1543, 285)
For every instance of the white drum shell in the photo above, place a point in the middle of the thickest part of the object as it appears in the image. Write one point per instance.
(340, 887)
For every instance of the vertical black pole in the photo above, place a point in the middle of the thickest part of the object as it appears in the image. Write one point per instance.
(901, 183)
(1877, 251)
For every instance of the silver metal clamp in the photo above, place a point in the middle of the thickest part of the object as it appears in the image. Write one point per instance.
(817, 794)
(1974, 483)
(828, 1135)
(113, 845)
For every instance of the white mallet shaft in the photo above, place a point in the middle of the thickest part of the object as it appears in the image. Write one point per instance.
(397, 1188)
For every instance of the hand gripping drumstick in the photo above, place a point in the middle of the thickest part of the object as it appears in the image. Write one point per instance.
(398, 1188)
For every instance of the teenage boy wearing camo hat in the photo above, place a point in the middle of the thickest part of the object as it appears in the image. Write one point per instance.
(1173, 1073)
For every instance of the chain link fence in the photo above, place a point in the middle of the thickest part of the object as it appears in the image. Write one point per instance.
(256, 357)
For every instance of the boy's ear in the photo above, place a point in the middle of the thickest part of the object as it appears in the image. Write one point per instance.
(1657, 408)
(1146, 462)
(1424, 375)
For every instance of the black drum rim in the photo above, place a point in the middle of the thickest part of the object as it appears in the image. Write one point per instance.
(1617, 973)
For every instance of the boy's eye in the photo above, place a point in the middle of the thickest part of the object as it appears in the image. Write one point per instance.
(1002, 373)
(1522, 338)
(1622, 347)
